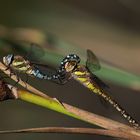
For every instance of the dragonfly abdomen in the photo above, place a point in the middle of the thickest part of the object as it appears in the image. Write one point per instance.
(106, 97)
(119, 109)
(40, 75)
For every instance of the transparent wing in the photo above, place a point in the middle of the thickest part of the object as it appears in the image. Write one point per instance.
(102, 86)
(92, 62)
(99, 82)
(50, 67)
(30, 51)
(36, 52)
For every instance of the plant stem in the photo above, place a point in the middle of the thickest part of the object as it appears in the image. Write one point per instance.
(25, 85)
(77, 113)
(67, 130)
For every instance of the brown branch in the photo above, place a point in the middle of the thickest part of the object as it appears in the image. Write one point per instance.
(84, 115)
(112, 133)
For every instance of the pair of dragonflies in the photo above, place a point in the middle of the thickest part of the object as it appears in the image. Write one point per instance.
(70, 67)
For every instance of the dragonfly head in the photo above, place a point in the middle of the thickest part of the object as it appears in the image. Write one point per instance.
(7, 60)
(70, 66)
(70, 62)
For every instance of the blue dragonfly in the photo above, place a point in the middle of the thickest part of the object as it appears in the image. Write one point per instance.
(20, 64)
(25, 64)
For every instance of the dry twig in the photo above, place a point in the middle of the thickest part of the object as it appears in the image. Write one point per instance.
(72, 131)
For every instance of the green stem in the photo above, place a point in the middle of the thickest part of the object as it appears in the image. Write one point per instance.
(72, 111)
(49, 103)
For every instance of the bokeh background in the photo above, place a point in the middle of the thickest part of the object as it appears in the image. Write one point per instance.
(109, 28)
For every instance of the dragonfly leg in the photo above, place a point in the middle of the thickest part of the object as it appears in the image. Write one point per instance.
(62, 81)
(59, 81)
(18, 79)
(7, 68)
(12, 73)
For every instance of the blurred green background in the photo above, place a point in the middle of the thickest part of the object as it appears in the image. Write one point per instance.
(109, 28)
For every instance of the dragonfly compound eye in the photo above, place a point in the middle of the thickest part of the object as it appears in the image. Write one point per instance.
(70, 66)
(69, 62)
(7, 60)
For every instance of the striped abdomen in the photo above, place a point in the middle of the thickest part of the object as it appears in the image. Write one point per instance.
(84, 79)
(119, 109)
(38, 74)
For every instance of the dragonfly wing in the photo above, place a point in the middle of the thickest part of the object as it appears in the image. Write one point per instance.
(92, 65)
(99, 82)
(28, 50)
(104, 87)
(43, 65)
(34, 51)
(92, 62)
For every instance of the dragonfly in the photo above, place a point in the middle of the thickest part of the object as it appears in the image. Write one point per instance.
(20, 64)
(71, 68)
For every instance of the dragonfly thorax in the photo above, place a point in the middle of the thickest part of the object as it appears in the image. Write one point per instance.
(81, 72)
(70, 66)
(19, 63)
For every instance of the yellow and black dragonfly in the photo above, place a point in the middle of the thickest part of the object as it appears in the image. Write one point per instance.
(20, 64)
(71, 68)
